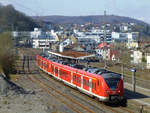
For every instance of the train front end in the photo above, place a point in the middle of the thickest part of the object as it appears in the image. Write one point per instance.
(113, 87)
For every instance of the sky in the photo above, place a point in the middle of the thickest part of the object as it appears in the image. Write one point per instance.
(138, 9)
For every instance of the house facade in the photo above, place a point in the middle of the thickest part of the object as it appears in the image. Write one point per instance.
(106, 51)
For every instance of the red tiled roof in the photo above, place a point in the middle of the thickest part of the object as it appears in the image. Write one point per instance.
(72, 54)
(104, 44)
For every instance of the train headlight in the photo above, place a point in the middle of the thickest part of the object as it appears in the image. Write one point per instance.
(107, 91)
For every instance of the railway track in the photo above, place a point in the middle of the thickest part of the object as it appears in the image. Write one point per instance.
(74, 101)
(50, 90)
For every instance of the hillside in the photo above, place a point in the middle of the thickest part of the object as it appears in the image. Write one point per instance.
(11, 19)
(98, 19)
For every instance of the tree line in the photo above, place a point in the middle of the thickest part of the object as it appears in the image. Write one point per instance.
(7, 58)
(11, 19)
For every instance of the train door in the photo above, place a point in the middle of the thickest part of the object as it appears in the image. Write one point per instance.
(77, 79)
(49, 67)
(100, 89)
(94, 85)
(52, 68)
(45, 65)
(64, 74)
(74, 79)
(69, 77)
(86, 83)
(56, 71)
(42, 63)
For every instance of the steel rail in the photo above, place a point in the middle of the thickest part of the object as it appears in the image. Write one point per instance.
(57, 97)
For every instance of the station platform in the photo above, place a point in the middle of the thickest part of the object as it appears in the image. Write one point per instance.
(141, 95)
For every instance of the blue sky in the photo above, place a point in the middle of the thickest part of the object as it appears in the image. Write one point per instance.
(139, 9)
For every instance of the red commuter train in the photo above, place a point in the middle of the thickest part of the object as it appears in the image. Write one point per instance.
(105, 85)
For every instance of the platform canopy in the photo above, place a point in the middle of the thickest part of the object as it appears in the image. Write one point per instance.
(72, 54)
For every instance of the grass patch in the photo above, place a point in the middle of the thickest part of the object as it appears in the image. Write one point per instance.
(14, 77)
(56, 112)
(5, 102)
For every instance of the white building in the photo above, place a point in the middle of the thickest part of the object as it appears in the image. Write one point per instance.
(148, 61)
(65, 43)
(42, 43)
(141, 59)
(93, 36)
(15, 34)
(128, 37)
(36, 33)
(137, 57)
(42, 39)
(87, 39)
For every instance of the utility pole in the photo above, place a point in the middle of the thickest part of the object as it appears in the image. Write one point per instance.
(104, 40)
(122, 71)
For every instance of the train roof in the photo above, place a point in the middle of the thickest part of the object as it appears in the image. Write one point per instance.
(94, 70)
(111, 75)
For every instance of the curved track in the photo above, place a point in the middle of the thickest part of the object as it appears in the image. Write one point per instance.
(49, 90)
(77, 101)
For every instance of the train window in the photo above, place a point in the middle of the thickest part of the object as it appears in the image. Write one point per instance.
(45, 66)
(112, 83)
(56, 70)
(88, 83)
(52, 68)
(74, 78)
(93, 85)
(64, 74)
(98, 83)
(84, 81)
(79, 80)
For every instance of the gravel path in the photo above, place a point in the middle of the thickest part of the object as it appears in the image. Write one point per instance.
(15, 99)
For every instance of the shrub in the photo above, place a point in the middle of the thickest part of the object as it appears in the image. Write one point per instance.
(7, 59)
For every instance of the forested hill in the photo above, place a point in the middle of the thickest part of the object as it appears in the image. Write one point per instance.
(11, 19)
(98, 19)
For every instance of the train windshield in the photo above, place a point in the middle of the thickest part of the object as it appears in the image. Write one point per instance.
(112, 83)
(112, 79)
